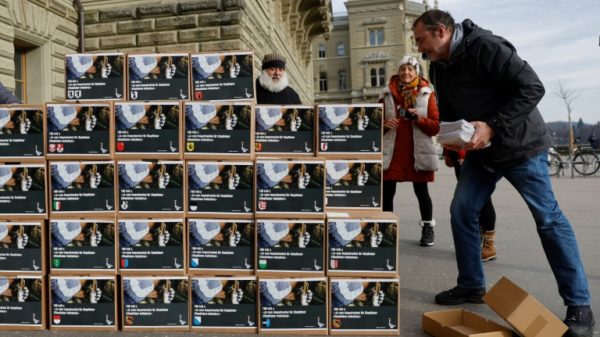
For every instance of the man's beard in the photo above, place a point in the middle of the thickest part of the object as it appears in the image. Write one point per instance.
(271, 85)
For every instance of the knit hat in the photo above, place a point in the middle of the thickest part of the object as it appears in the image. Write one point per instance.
(273, 60)
(412, 61)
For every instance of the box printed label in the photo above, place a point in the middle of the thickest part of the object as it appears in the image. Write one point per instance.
(21, 301)
(348, 128)
(82, 186)
(221, 245)
(293, 304)
(82, 301)
(296, 246)
(151, 245)
(21, 246)
(147, 128)
(155, 302)
(362, 246)
(21, 132)
(222, 76)
(223, 303)
(151, 186)
(22, 189)
(78, 129)
(364, 305)
(216, 187)
(288, 129)
(353, 184)
(289, 187)
(82, 245)
(217, 128)
(158, 77)
(94, 76)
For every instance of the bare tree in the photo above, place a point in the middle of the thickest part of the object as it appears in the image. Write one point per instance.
(568, 96)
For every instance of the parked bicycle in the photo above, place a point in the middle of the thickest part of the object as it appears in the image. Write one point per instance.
(584, 160)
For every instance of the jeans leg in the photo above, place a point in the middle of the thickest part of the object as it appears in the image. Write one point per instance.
(474, 187)
(532, 181)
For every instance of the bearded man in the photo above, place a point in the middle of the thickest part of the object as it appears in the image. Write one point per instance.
(272, 86)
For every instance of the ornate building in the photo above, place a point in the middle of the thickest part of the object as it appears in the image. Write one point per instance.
(355, 61)
(36, 34)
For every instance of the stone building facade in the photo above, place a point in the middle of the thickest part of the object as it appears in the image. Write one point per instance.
(47, 30)
(356, 60)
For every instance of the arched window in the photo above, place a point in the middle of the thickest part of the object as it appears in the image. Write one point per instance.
(341, 49)
(322, 81)
(321, 51)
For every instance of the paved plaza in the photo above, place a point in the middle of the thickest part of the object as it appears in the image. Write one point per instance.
(426, 271)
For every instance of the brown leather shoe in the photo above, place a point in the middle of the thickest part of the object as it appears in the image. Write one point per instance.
(488, 248)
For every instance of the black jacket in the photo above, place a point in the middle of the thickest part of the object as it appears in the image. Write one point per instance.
(284, 97)
(6, 97)
(485, 80)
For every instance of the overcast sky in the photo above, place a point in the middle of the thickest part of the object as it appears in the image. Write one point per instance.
(559, 38)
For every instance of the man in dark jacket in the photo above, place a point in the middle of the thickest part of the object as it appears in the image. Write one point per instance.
(6, 97)
(272, 84)
(479, 77)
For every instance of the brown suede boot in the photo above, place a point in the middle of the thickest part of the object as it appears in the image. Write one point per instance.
(488, 248)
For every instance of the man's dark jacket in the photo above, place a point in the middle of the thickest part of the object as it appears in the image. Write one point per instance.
(284, 97)
(485, 80)
(6, 97)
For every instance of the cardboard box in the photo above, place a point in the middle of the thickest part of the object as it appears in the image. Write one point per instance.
(220, 188)
(290, 247)
(22, 133)
(23, 248)
(282, 130)
(290, 188)
(522, 311)
(353, 184)
(221, 246)
(364, 306)
(293, 305)
(362, 243)
(151, 187)
(152, 245)
(23, 302)
(148, 130)
(155, 303)
(98, 76)
(83, 303)
(83, 246)
(223, 304)
(82, 187)
(158, 76)
(79, 131)
(350, 129)
(461, 323)
(23, 191)
(219, 130)
(223, 76)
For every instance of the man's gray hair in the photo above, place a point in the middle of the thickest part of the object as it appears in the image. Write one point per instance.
(433, 18)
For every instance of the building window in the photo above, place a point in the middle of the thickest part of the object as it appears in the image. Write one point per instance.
(341, 49)
(20, 75)
(342, 80)
(377, 77)
(321, 51)
(376, 37)
(322, 81)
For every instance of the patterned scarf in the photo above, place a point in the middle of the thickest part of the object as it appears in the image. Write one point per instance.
(405, 95)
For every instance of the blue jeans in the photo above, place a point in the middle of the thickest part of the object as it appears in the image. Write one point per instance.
(530, 178)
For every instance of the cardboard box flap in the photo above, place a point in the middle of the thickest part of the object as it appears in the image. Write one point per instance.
(461, 323)
(522, 311)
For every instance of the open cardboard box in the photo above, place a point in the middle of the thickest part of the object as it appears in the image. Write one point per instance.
(461, 323)
(517, 307)
(522, 311)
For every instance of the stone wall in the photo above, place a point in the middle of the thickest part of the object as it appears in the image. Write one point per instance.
(47, 29)
(261, 26)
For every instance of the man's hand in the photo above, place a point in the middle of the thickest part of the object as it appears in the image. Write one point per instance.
(159, 121)
(22, 294)
(481, 137)
(295, 124)
(22, 241)
(24, 126)
(105, 70)
(362, 123)
(362, 178)
(170, 71)
(90, 123)
(95, 295)
(163, 180)
(233, 238)
(163, 238)
(233, 181)
(230, 122)
(168, 295)
(95, 180)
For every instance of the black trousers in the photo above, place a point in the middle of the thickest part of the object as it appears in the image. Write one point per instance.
(421, 191)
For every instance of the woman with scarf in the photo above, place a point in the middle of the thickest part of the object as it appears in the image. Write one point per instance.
(409, 154)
